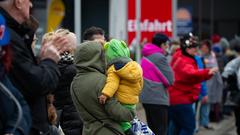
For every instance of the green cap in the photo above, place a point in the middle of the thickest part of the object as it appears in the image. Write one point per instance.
(116, 49)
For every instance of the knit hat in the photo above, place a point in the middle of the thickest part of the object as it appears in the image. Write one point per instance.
(4, 34)
(115, 49)
(189, 41)
(215, 38)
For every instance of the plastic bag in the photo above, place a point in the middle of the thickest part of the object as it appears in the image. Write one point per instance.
(140, 128)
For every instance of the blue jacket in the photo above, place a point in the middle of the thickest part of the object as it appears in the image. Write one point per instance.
(203, 84)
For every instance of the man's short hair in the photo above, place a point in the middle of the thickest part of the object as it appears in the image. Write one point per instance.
(88, 33)
(235, 45)
(159, 39)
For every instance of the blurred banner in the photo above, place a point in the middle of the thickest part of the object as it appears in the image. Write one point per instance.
(184, 20)
(56, 13)
(156, 16)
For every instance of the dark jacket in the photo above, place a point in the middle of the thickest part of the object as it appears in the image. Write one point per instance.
(86, 88)
(69, 118)
(8, 111)
(35, 80)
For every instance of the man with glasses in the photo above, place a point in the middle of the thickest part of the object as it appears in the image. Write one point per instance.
(35, 79)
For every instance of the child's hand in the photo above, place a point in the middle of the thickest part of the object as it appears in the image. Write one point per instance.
(102, 99)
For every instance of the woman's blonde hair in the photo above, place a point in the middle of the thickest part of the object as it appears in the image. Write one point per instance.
(50, 35)
(61, 32)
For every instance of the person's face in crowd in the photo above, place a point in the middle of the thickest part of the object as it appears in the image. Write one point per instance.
(192, 51)
(24, 8)
(165, 46)
(204, 49)
(98, 37)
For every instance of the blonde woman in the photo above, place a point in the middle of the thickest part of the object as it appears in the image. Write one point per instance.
(68, 118)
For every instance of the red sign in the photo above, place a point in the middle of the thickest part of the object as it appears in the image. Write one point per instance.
(156, 16)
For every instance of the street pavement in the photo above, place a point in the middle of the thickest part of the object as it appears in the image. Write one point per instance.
(225, 127)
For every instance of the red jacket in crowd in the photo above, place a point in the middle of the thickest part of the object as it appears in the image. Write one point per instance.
(188, 78)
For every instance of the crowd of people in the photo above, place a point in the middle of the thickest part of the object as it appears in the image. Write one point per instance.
(93, 89)
(202, 90)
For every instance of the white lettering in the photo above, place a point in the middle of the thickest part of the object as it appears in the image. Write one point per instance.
(151, 27)
(144, 25)
(164, 26)
(148, 26)
(131, 25)
(169, 26)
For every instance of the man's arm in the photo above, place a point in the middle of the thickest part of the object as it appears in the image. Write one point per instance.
(118, 111)
(32, 78)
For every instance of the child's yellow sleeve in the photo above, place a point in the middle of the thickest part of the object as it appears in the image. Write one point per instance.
(112, 83)
(141, 83)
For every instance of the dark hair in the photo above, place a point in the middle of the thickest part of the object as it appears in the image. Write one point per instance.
(159, 38)
(235, 45)
(88, 33)
(207, 43)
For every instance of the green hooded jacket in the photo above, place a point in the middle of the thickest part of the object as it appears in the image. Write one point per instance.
(86, 88)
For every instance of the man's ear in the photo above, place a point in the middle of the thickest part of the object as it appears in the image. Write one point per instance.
(18, 4)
